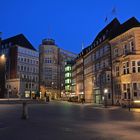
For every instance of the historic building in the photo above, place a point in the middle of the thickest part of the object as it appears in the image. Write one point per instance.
(52, 68)
(22, 64)
(102, 73)
(125, 50)
(2, 72)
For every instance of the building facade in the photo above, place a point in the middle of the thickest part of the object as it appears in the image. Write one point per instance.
(52, 68)
(98, 69)
(126, 62)
(22, 67)
(68, 79)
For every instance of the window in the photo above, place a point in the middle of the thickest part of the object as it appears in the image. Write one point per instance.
(134, 86)
(109, 96)
(138, 66)
(131, 46)
(124, 87)
(48, 60)
(116, 52)
(101, 51)
(117, 73)
(126, 68)
(125, 49)
(26, 85)
(68, 81)
(133, 67)
(97, 54)
(125, 96)
(108, 77)
(24, 68)
(21, 67)
(68, 68)
(18, 68)
(106, 48)
(135, 94)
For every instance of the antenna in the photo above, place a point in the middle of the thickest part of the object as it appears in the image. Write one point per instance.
(114, 11)
(82, 45)
(49, 32)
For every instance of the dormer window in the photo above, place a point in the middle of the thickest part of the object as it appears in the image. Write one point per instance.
(100, 40)
(97, 42)
(103, 37)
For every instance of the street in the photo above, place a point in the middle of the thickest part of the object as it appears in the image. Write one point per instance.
(68, 121)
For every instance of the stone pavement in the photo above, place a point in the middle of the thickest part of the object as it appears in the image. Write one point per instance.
(66, 121)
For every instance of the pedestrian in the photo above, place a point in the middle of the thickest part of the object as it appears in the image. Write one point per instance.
(129, 106)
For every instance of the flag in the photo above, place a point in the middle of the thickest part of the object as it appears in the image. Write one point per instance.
(106, 19)
(113, 11)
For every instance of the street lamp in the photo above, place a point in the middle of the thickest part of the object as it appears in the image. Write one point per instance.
(105, 96)
(52, 91)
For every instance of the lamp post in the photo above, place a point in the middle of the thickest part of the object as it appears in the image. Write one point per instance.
(105, 97)
(52, 91)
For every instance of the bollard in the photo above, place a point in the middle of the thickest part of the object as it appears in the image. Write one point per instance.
(24, 111)
(129, 107)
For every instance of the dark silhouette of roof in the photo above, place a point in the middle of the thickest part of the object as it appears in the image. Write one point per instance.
(20, 40)
(112, 30)
(107, 31)
(129, 24)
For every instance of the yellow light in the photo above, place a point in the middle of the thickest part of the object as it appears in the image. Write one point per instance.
(137, 101)
(105, 90)
(3, 56)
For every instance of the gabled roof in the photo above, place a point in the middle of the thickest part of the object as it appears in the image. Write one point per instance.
(114, 24)
(112, 30)
(20, 40)
(106, 31)
(130, 23)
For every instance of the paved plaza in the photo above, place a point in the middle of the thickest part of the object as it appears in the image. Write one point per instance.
(68, 121)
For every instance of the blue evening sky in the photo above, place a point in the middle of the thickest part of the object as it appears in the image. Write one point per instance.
(69, 22)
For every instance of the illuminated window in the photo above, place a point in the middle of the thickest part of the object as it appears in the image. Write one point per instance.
(68, 75)
(68, 68)
(68, 81)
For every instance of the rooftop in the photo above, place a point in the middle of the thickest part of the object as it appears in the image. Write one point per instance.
(20, 40)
